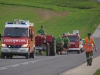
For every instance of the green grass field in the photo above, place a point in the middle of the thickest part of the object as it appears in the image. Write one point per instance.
(97, 72)
(57, 16)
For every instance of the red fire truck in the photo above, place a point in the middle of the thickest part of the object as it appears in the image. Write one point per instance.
(75, 42)
(18, 39)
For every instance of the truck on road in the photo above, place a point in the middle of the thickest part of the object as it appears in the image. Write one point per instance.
(75, 42)
(18, 39)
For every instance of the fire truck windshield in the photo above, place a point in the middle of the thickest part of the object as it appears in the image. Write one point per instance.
(73, 38)
(15, 31)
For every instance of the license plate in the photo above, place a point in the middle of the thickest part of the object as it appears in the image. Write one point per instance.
(13, 51)
(38, 47)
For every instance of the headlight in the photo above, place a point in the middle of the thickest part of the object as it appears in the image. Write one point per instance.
(3, 45)
(25, 45)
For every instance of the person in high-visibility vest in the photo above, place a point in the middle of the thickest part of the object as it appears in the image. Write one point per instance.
(89, 46)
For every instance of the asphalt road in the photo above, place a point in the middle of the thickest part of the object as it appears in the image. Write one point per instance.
(44, 65)
(98, 1)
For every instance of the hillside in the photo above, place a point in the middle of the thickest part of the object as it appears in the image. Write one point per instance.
(57, 16)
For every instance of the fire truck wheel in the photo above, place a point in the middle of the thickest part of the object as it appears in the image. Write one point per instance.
(7, 56)
(53, 47)
(11, 56)
(47, 51)
(2, 55)
(27, 55)
(78, 51)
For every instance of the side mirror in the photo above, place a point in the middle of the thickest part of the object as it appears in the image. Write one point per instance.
(31, 36)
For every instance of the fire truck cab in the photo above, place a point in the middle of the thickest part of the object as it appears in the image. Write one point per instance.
(18, 39)
(75, 42)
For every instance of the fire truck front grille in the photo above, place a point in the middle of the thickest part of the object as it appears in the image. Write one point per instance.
(14, 46)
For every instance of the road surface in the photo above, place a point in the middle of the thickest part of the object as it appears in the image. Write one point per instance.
(43, 65)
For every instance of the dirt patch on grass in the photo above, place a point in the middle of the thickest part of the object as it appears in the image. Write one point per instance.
(44, 14)
(47, 14)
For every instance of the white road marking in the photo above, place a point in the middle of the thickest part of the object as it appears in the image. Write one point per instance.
(33, 61)
(3, 68)
(25, 63)
(14, 65)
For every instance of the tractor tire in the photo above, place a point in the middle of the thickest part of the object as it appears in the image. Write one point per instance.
(53, 47)
(2, 55)
(47, 51)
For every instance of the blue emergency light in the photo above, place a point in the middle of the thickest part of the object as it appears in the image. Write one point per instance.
(9, 23)
(23, 23)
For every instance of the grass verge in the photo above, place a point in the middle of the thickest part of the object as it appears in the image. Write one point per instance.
(97, 72)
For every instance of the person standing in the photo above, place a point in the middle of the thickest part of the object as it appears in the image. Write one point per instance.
(89, 46)
(41, 31)
(66, 43)
(59, 44)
